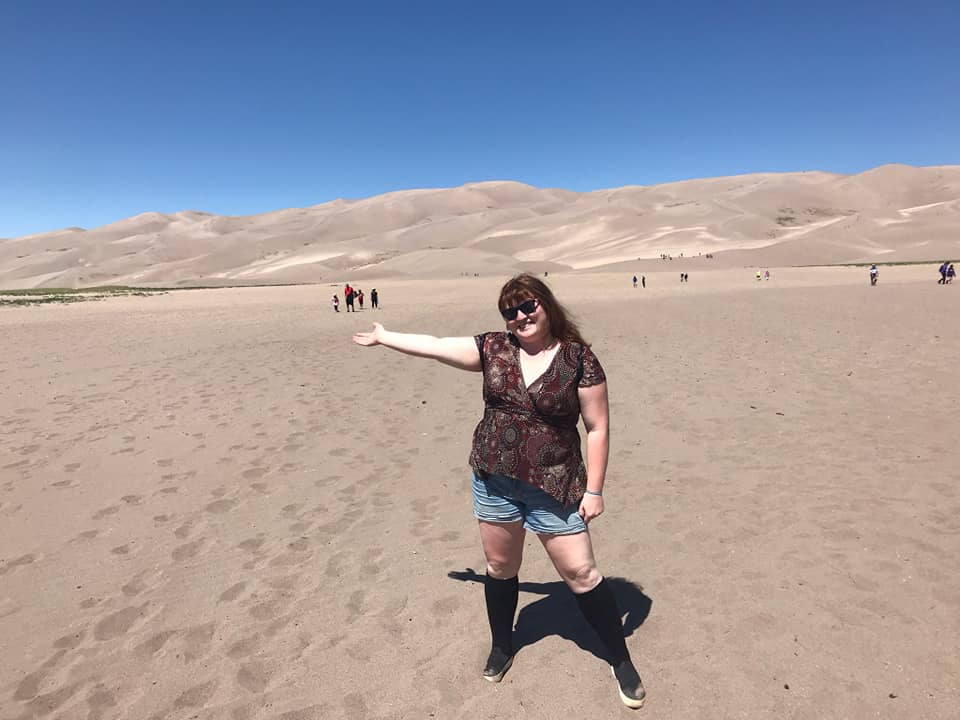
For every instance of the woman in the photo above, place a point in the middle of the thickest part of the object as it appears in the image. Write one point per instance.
(539, 378)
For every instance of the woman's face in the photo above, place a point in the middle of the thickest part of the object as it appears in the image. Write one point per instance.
(527, 320)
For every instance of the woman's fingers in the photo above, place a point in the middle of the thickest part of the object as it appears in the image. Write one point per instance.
(368, 338)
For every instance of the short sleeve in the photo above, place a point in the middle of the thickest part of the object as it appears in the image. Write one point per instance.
(480, 340)
(592, 370)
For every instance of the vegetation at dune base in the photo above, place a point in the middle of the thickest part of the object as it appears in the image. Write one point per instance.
(40, 296)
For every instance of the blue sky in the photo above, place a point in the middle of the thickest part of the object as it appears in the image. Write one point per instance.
(111, 109)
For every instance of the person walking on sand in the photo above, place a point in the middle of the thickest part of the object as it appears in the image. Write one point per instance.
(951, 274)
(943, 274)
(874, 274)
(539, 378)
(634, 280)
(360, 298)
(348, 296)
(374, 299)
(336, 303)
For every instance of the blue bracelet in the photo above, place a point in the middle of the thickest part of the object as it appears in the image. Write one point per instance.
(591, 492)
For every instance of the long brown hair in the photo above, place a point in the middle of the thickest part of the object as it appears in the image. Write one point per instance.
(525, 286)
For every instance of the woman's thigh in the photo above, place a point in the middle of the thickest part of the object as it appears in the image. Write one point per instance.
(502, 547)
(572, 556)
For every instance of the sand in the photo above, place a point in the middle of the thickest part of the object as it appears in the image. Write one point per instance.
(213, 505)
(889, 214)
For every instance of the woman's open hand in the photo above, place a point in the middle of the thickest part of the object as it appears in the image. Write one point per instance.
(369, 338)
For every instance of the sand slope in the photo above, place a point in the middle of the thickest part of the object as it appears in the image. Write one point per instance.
(893, 213)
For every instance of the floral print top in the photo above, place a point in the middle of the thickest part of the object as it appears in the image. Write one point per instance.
(531, 433)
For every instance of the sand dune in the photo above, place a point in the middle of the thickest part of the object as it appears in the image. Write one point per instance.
(893, 213)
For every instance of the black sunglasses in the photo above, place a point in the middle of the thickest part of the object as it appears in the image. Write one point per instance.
(526, 307)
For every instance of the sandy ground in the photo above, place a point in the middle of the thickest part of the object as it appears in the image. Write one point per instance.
(213, 505)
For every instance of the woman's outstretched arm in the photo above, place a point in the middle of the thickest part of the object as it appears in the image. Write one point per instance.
(459, 352)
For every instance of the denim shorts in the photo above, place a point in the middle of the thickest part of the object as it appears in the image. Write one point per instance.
(498, 498)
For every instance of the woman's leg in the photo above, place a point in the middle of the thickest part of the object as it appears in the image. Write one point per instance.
(572, 556)
(503, 548)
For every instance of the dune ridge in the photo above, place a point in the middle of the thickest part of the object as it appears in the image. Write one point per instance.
(892, 213)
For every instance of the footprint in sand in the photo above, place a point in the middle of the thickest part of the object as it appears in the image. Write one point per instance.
(370, 563)
(197, 641)
(232, 592)
(196, 696)
(140, 582)
(184, 531)
(297, 553)
(355, 605)
(254, 676)
(252, 544)
(443, 608)
(244, 647)
(21, 561)
(106, 512)
(187, 550)
(29, 687)
(154, 644)
(270, 609)
(70, 642)
(119, 623)
(218, 507)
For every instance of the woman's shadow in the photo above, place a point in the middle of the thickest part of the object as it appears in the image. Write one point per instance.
(556, 613)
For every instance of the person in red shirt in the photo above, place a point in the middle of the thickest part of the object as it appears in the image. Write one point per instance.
(540, 377)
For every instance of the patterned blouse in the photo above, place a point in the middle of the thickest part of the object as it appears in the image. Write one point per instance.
(531, 433)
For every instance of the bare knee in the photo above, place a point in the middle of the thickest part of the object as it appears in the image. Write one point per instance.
(502, 568)
(582, 578)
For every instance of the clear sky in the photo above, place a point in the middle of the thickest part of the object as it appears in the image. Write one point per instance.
(108, 109)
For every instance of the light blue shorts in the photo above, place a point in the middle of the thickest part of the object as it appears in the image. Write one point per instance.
(498, 498)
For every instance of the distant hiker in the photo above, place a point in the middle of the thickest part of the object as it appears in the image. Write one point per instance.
(766, 274)
(758, 275)
(943, 274)
(348, 296)
(951, 273)
(374, 299)
(874, 274)
(336, 303)
(360, 298)
(634, 280)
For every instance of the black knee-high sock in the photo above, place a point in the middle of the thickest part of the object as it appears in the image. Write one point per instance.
(599, 607)
(502, 597)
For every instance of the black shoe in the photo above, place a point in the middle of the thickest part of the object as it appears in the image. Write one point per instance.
(629, 684)
(497, 665)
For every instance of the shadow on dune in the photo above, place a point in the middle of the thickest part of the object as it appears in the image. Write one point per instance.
(556, 613)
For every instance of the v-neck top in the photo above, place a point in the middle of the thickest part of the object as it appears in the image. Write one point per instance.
(531, 433)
